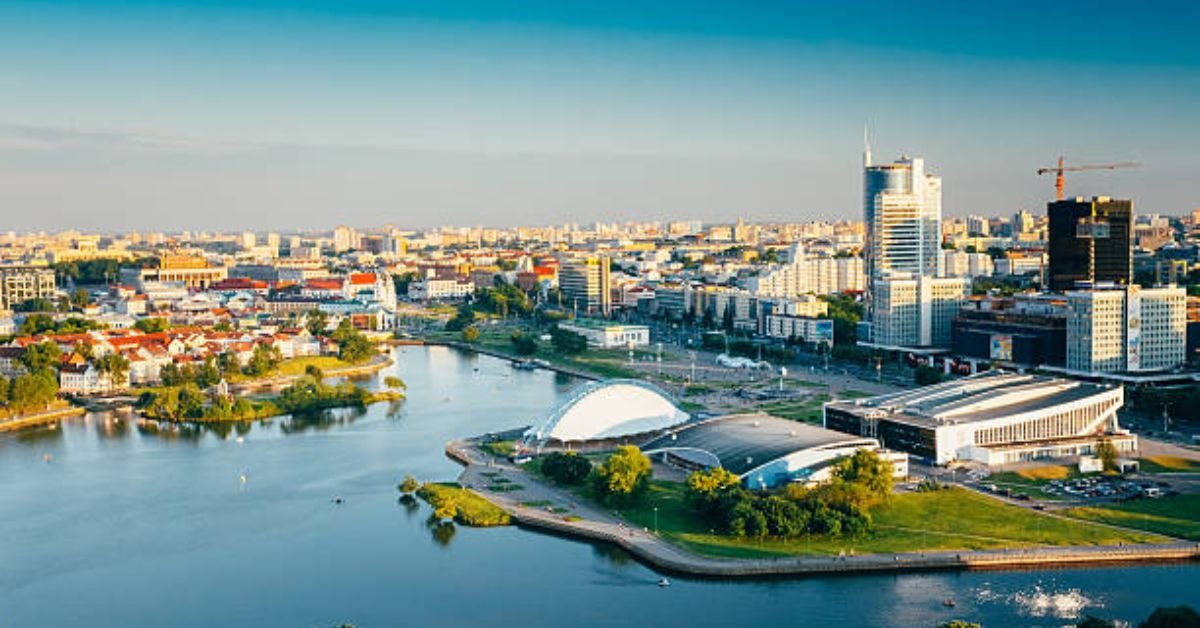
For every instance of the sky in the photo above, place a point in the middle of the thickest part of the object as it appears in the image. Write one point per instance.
(272, 115)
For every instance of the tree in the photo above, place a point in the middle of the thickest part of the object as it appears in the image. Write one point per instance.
(263, 360)
(79, 298)
(315, 321)
(470, 334)
(33, 390)
(567, 341)
(151, 325)
(566, 467)
(446, 509)
(355, 348)
(866, 469)
(41, 356)
(524, 344)
(926, 375)
(208, 374)
(846, 313)
(115, 366)
(624, 475)
(409, 485)
(1172, 617)
(706, 484)
(465, 317)
(4, 385)
(393, 382)
(1108, 455)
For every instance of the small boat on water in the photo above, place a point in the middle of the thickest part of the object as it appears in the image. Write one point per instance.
(948, 603)
(663, 583)
(524, 365)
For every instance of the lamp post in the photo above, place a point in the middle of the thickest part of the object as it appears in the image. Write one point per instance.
(782, 374)
(656, 519)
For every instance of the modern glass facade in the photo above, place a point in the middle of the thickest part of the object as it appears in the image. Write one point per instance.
(1090, 242)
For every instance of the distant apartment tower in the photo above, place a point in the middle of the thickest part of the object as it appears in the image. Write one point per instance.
(1126, 329)
(19, 284)
(1091, 241)
(585, 285)
(344, 239)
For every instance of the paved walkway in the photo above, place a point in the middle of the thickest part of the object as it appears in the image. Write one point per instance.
(566, 515)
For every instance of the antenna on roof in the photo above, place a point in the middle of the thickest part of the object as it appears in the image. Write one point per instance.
(866, 146)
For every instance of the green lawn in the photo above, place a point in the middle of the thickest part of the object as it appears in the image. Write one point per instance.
(1168, 464)
(296, 366)
(1177, 516)
(807, 410)
(500, 448)
(471, 509)
(941, 520)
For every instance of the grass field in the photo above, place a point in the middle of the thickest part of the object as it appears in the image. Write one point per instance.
(950, 519)
(807, 410)
(470, 509)
(1168, 464)
(296, 366)
(1177, 516)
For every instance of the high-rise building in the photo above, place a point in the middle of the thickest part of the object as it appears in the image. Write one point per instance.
(585, 285)
(248, 240)
(1126, 330)
(909, 301)
(902, 208)
(344, 239)
(1091, 241)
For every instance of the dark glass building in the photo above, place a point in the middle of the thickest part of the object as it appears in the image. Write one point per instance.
(1091, 241)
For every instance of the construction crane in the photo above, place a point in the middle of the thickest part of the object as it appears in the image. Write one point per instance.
(1060, 182)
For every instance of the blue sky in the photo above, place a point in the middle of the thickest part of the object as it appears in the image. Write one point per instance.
(286, 115)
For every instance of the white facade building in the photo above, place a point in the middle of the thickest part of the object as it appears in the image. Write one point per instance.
(916, 312)
(1129, 329)
(605, 335)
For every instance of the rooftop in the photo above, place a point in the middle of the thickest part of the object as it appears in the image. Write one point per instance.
(743, 442)
(981, 397)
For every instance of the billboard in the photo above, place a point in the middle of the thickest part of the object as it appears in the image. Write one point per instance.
(1001, 347)
(823, 331)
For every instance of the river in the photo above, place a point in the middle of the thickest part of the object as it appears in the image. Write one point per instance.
(104, 525)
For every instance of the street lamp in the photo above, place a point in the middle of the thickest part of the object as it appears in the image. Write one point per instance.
(656, 519)
(782, 374)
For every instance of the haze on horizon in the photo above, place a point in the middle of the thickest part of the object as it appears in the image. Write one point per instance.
(121, 115)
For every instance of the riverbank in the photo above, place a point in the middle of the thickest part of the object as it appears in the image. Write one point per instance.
(549, 365)
(531, 508)
(40, 418)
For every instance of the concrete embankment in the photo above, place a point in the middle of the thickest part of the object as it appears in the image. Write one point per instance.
(39, 418)
(592, 523)
(550, 366)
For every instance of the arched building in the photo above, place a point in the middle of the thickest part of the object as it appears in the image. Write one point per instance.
(605, 412)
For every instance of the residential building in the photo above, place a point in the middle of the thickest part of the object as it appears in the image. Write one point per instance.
(1128, 329)
(22, 283)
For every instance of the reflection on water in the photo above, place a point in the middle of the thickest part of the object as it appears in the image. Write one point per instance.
(443, 531)
(320, 420)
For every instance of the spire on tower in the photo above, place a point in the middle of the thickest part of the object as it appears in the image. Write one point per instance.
(866, 147)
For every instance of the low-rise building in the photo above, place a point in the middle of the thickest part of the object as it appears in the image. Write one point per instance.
(606, 335)
(993, 418)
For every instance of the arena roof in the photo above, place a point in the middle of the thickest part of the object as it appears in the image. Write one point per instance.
(609, 409)
(743, 442)
(989, 395)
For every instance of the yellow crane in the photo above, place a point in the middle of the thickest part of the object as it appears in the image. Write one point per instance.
(1060, 181)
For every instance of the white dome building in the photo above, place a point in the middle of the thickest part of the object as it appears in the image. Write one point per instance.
(607, 410)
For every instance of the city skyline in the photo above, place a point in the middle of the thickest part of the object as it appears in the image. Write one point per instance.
(187, 115)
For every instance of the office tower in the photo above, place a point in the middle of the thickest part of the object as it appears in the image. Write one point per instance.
(585, 285)
(248, 240)
(902, 208)
(1090, 242)
(909, 302)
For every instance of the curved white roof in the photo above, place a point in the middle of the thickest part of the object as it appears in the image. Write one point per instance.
(609, 410)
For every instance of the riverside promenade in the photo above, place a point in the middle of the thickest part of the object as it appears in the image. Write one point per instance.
(586, 521)
(39, 418)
